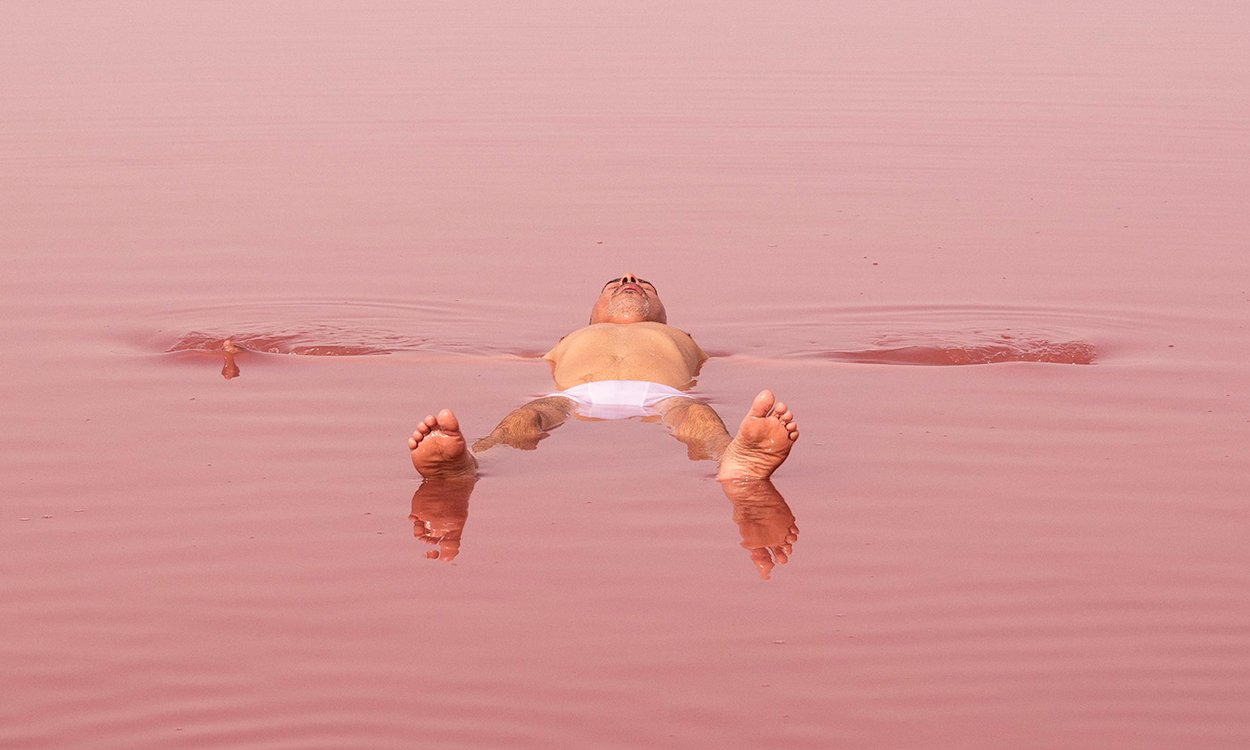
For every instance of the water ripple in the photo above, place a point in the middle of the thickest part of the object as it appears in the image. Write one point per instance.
(932, 335)
(346, 329)
(1007, 348)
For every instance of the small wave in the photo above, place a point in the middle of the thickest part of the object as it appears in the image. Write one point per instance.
(1050, 352)
(302, 343)
(346, 329)
(929, 335)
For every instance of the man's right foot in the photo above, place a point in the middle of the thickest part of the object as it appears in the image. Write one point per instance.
(438, 449)
(763, 441)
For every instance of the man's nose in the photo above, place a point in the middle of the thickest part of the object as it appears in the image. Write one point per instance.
(629, 278)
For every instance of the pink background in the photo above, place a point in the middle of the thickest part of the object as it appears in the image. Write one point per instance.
(1016, 555)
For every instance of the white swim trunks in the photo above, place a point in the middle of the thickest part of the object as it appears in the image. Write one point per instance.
(618, 399)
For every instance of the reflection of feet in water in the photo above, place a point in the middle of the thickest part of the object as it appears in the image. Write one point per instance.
(764, 520)
(438, 448)
(440, 508)
(763, 441)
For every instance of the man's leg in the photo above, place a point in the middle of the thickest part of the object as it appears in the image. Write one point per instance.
(528, 424)
(697, 425)
(762, 444)
(439, 449)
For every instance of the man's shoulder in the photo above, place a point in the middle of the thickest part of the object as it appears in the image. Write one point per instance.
(617, 334)
(618, 338)
(625, 329)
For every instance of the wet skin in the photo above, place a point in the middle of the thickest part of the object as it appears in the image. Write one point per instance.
(628, 339)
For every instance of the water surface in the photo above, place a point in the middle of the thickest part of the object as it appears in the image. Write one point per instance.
(1044, 548)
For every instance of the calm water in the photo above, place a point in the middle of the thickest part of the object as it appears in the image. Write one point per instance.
(1028, 553)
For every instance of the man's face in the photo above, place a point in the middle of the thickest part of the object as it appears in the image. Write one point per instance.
(628, 299)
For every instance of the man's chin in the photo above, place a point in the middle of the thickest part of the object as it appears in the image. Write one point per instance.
(629, 313)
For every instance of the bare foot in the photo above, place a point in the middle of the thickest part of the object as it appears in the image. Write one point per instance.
(764, 439)
(438, 448)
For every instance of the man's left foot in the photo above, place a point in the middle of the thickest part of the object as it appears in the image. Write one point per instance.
(763, 442)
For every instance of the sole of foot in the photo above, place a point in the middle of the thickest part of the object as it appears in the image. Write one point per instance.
(763, 442)
(438, 448)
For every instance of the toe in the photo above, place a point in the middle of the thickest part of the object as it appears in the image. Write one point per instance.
(447, 421)
(762, 404)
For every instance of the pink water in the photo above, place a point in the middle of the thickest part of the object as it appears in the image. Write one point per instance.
(1027, 553)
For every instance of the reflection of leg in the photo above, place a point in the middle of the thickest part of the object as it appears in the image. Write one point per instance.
(764, 520)
(528, 424)
(697, 425)
(440, 508)
(438, 448)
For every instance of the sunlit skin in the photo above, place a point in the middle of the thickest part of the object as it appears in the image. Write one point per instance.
(628, 338)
